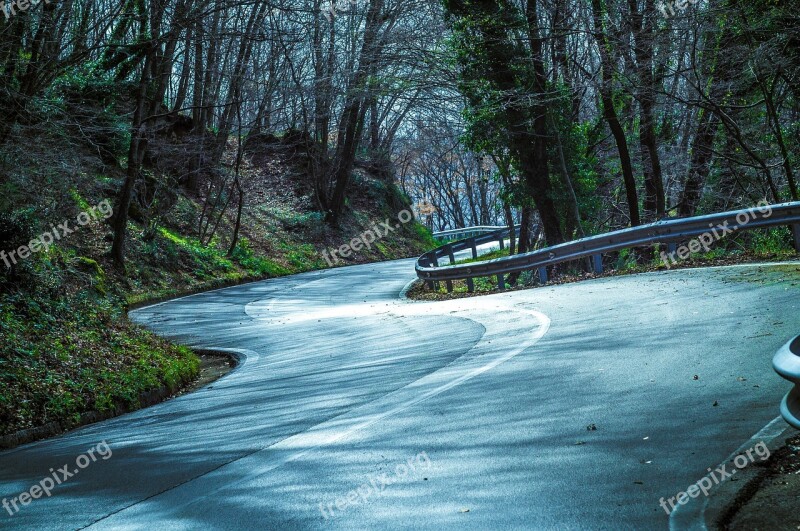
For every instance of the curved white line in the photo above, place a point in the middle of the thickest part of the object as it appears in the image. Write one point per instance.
(693, 514)
(355, 420)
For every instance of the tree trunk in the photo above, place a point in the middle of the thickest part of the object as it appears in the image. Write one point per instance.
(610, 114)
(642, 25)
(702, 154)
(352, 122)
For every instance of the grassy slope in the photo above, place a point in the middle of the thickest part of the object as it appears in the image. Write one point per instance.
(66, 347)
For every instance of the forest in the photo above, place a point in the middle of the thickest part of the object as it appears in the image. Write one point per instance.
(235, 139)
(239, 250)
(570, 117)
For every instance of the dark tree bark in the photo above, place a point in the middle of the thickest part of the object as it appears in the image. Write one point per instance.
(610, 113)
(643, 34)
(524, 95)
(136, 153)
(700, 167)
(151, 90)
(352, 122)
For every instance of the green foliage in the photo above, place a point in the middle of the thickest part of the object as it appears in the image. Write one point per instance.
(17, 227)
(772, 241)
(302, 256)
(206, 257)
(424, 235)
(295, 221)
(96, 273)
(258, 266)
(92, 97)
(384, 250)
(62, 357)
(626, 260)
(499, 253)
(80, 202)
(573, 139)
(481, 285)
(86, 77)
(471, 44)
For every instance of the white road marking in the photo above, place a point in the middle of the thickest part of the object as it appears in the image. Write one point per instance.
(346, 425)
(692, 516)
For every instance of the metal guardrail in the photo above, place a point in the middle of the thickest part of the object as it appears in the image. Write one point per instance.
(467, 232)
(667, 232)
(787, 364)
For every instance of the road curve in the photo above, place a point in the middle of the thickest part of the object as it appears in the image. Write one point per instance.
(462, 414)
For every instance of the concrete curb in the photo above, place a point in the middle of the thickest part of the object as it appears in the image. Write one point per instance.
(731, 496)
(725, 502)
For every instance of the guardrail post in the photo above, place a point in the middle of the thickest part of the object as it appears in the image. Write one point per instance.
(470, 285)
(787, 364)
(449, 284)
(666, 234)
(501, 282)
(431, 285)
(598, 264)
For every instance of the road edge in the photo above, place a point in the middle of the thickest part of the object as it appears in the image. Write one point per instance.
(702, 514)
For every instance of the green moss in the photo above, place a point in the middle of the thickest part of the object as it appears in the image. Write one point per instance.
(302, 256)
(499, 253)
(97, 273)
(424, 236)
(80, 201)
(88, 359)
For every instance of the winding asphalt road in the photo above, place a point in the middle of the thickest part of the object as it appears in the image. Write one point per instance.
(466, 414)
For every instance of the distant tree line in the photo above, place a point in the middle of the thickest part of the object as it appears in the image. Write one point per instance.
(567, 116)
(612, 101)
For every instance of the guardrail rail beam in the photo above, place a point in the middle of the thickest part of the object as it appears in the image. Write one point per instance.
(670, 232)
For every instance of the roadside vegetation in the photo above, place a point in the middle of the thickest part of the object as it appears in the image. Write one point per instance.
(68, 354)
(238, 140)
